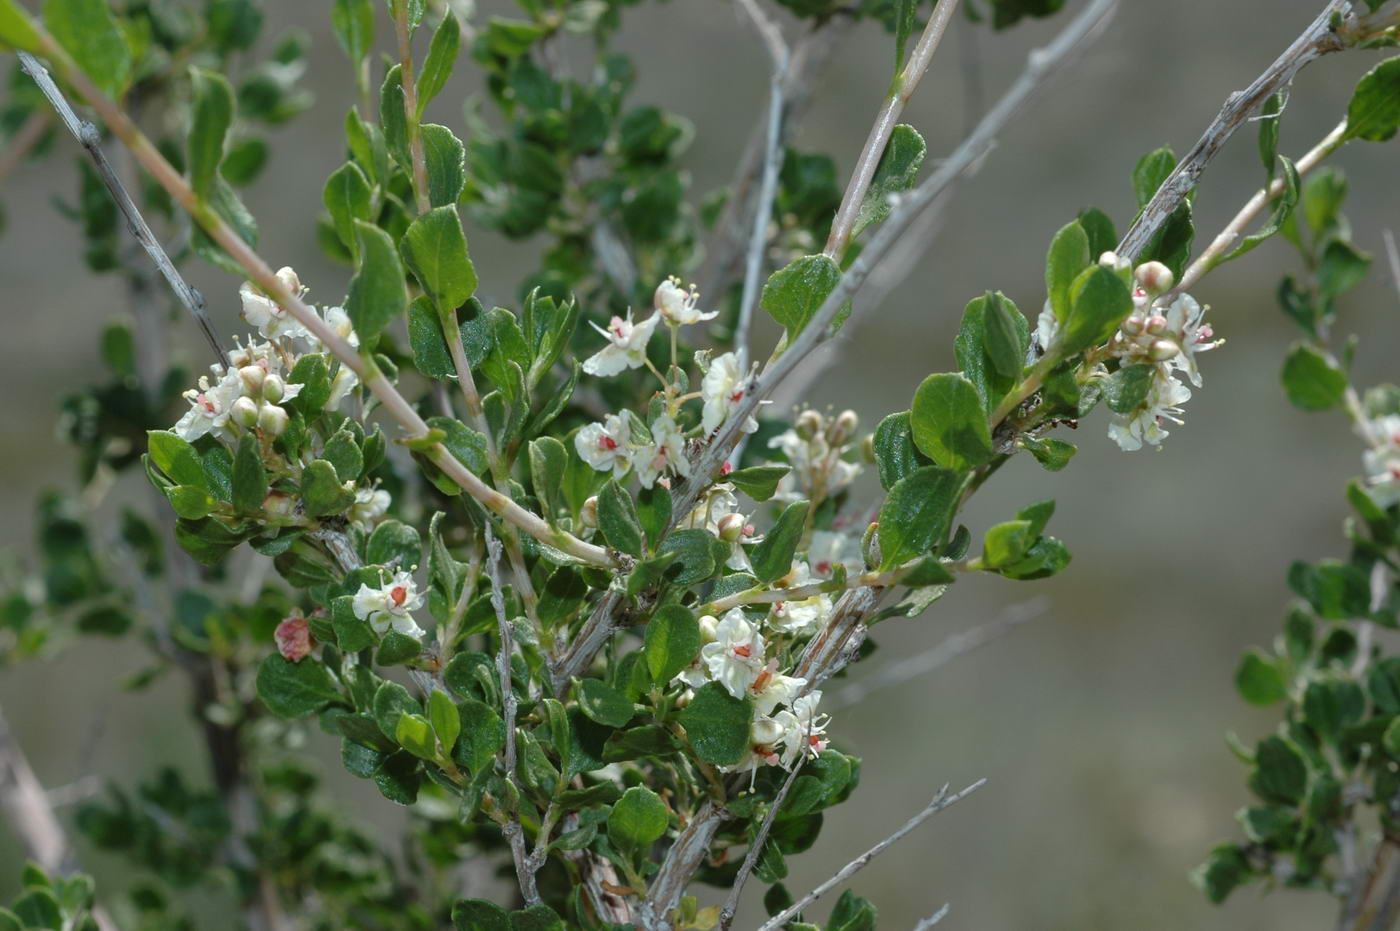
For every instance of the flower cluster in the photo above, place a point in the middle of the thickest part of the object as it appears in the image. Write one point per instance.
(1382, 459)
(622, 443)
(786, 722)
(1165, 330)
(249, 392)
(817, 448)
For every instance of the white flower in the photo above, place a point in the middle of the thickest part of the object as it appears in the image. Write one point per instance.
(830, 549)
(210, 406)
(1186, 320)
(390, 606)
(676, 305)
(264, 313)
(735, 657)
(1144, 425)
(722, 388)
(665, 452)
(342, 383)
(815, 464)
(1047, 327)
(764, 735)
(627, 346)
(772, 688)
(800, 617)
(803, 728)
(1382, 460)
(604, 446)
(370, 505)
(339, 321)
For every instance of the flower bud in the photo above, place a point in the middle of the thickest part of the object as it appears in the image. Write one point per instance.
(1156, 324)
(273, 388)
(272, 419)
(588, 514)
(809, 424)
(709, 628)
(252, 377)
(288, 276)
(842, 428)
(1108, 259)
(731, 528)
(279, 504)
(1163, 349)
(767, 731)
(294, 640)
(244, 412)
(1133, 325)
(1155, 277)
(867, 448)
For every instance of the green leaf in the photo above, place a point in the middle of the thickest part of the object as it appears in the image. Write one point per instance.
(322, 493)
(1337, 591)
(916, 514)
(617, 519)
(1053, 454)
(548, 459)
(1150, 171)
(435, 250)
(394, 543)
(1068, 257)
(1006, 332)
(294, 690)
(758, 482)
(899, 165)
(446, 722)
(1342, 268)
(1007, 543)
(1126, 389)
(347, 199)
(851, 913)
(1280, 774)
(693, 550)
(249, 476)
(17, 29)
(772, 557)
(442, 55)
(353, 22)
(392, 701)
(906, 17)
(638, 819)
(191, 502)
(444, 162)
(1099, 302)
(1311, 380)
(351, 634)
(425, 338)
(604, 704)
(176, 458)
(1099, 228)
(479, 915)
(1225, 868)
(1270, 119)
(1283, 209)
(949, 423)
(377, 292)
(463, 442)
(38, 908)
(672, 642)
(1260, 679)
(1331, 705)
(794, 294)
(315, 379)
(392, 119)
(209, 124)
(87, 30)
(482, 736)
(415, 734)
(895, 453)
(653, 510)
(717, 724)
(396, 649)
(1374, 111)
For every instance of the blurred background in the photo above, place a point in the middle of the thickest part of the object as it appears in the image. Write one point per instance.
(1099, 724)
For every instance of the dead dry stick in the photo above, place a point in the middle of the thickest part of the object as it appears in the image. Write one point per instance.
(940, 801)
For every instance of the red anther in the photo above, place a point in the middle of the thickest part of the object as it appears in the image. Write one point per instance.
(743, 651)
(398, 594)
(607, 442)
(726, 468)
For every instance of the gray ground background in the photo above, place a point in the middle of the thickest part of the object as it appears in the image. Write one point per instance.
(1100, 725)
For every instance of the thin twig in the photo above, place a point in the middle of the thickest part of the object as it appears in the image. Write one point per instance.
(844, 224)
(731, 901)
(944, 652)
(511, 828)
(1393, 255)
(768, 187)
(23, 142)
(90, 138)
(940, 801)
(1215, 253)
(1314, 42)
(933, 919)
(410, 106)
(32, 817)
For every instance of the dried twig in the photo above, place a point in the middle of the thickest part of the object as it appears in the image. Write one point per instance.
(1317, 40)
(91, 139)
(940, 801)
(31, 814)
(511, 828)
(844, 224)
(933, 919)
(944, 652)
(1392, 254)
(731, 901)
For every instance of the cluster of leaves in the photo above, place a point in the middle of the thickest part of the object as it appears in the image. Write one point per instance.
(52, 903)
(1331, 767)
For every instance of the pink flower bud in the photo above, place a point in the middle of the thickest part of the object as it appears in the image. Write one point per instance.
(1156, 324)
(294, 640)
(731, 528)
(588, 514)
(1155, 277)
(252, 377)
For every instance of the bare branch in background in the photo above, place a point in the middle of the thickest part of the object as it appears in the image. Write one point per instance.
(23, 142)
(88, 136)
(1392, 254)
(1314, 42)
(940, 801)
(933, 919)
(947, 650)
(32, 817)
(731, 901)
